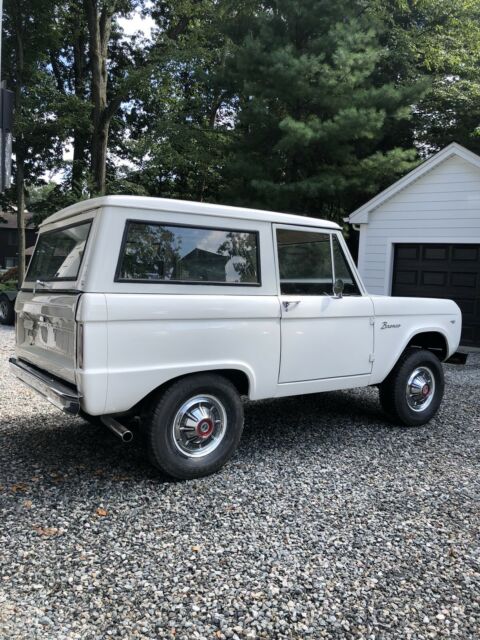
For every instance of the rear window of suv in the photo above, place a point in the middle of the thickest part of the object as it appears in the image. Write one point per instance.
(58, 254)
(155, 252)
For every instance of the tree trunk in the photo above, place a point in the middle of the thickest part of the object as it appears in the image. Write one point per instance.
(79, 137)
(99, 28)
(21, 216)
(19, 147)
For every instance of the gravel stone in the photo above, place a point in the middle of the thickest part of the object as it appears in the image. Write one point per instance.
(328, 523)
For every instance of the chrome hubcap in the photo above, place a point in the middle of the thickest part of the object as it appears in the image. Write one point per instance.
(3, 310)
(199, 426)
(420, 389)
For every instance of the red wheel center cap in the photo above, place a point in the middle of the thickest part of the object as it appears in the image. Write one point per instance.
(425, 390)
(204, 428)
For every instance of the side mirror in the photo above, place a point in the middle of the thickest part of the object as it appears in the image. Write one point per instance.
(338, 288)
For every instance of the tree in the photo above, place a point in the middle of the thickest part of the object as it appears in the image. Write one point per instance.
(179, 120)
(69, 66)
(309, 106)
(28, 31)
(438, 42)
(311, 115)
(137, 66)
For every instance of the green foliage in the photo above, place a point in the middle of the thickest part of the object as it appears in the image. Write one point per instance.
(437, 41)
(11, 285)
(309, 106)
(313, 117)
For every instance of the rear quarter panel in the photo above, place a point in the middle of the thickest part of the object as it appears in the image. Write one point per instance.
(155, 338)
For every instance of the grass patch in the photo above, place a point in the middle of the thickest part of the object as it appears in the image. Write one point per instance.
(11, 285)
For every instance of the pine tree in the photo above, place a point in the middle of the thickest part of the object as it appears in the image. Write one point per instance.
(312, 113)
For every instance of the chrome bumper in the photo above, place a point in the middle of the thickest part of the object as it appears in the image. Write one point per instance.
(60, 395)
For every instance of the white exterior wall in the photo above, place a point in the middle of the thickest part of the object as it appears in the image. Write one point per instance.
(442, 206)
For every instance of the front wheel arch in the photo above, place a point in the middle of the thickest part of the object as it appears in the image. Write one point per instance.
(432, 341)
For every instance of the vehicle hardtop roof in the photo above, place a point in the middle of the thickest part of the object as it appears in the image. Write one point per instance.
(185, 206)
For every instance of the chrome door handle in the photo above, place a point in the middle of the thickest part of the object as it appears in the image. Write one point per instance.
(287, 304)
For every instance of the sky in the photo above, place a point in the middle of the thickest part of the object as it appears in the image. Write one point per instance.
(137, 23)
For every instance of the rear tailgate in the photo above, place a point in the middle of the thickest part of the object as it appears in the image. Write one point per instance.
(46, 331)
(47, 304)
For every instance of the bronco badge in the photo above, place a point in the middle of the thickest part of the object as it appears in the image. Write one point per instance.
(385, 325)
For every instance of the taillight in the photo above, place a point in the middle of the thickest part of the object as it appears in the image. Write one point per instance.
(80, 345)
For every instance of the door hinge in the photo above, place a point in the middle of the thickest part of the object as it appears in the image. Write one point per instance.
(372, 320)
(371, 358)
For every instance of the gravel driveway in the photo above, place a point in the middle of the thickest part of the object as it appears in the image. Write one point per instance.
(328, 523)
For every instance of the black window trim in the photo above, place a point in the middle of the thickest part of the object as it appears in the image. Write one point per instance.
(210, 283)
(88, 221)
(345, 256)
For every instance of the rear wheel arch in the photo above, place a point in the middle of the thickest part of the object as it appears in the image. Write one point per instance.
(238, 377)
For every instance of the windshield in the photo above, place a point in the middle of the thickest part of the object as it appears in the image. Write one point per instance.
(59, 253)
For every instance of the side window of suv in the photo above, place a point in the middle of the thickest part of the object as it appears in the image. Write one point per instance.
(305, 262)
(155, 252)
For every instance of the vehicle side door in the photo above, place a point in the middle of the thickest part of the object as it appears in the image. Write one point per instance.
(323, 335)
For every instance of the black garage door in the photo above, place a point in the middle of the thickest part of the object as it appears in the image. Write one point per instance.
(442, 271)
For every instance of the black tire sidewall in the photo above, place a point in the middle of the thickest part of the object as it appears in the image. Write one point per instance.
(395, 401)
(10, 313)
(162, 450)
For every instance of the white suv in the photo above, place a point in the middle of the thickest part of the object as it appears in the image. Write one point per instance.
(168, 312)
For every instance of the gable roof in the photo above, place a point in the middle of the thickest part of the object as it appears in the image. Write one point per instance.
(360, 215)
(11, 220)
(199, 253)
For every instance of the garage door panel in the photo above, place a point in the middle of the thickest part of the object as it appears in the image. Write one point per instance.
(464, 280)
(467, 253)
(468, 335)
(434, 278)
(435, 252)
(467, 307)
(406, 277)
(408, 252)
(442, 271)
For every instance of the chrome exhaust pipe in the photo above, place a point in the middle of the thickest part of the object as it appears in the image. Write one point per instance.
(117, 428)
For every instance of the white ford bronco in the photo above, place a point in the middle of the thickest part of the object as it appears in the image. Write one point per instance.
(162, 314)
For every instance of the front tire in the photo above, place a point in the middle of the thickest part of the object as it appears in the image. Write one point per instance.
(7, 312)
(195, 426)
(413, 391)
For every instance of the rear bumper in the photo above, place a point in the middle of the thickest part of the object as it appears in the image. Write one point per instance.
(62, 396)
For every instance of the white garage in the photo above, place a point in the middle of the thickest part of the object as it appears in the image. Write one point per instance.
(421, 236)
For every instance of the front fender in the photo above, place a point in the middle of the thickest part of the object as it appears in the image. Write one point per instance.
(389, 346)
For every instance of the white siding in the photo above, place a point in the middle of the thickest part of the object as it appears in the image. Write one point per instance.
(441, 206)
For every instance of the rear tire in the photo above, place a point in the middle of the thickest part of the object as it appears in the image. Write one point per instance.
(7, 310)
(195, 426)
(413, 391)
